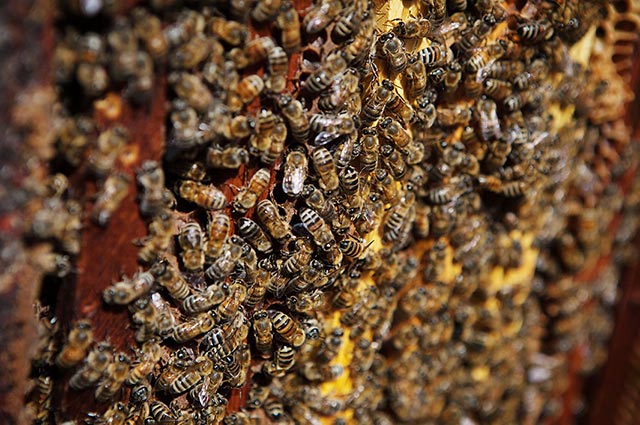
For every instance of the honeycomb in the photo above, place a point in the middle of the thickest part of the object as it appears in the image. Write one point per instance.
(362, 212)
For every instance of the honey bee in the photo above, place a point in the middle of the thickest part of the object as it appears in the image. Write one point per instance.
(191, 240)
(257, 291)
(356, 51)
(227, 261)
(108, 147)
(458, 115)
(127, 290)
(247, 197)
(412, 27)
(249, 88)
(161, 412)
(93, 78)
(193, 327)
(200, 302)
(115, 414)
(113, 379)
(278, 65)
(535, 32)
(271, 220)
(505, 69)
(330, 346)
(321, 15)
(171, 279)
(375, 103)
(497, 89)
(95, 364)
(283, 361)
(433, 55)
(330, 127)
(325, 167)
(186, 380)
(288, 22)
(231, 157)
(205, 196)
(287, 328)
(222, 341)
(262, 332)
(249, 230)
(478, 62)
(300, 258)
(237, 365)
(273, 407)
(204, 392)
(473, 37)
(261, 142)
(306, 303)
(155, 196)
(392, 48)
(266, 10)
(192, 90)
(217, 233)
(142, 367)
(319, 80)
(510, 189)
(278, 140)
(75, 350)
(488, 122)
(231, 32)
(393, 131)
(296, 116)
(148, 28)
(320, 231)
(257, 49)
(230, 305)
(397, 220)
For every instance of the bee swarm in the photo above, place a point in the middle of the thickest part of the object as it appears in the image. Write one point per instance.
(363, 212)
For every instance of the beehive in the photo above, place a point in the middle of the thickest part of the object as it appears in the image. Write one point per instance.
(430, 267)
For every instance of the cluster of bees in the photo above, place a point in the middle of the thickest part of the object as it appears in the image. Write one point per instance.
(398, 148)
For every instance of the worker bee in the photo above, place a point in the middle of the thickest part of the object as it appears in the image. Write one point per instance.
(478, 62)
(331, 127)
(458, 115)
(296, 116)
(262, 332)
(113, 379)
(271, 220)
(301, 257)
(265, 10)
(320, 79)
(433, 55)
(155, 196)
(247, 197)
(330, 346)
(236, 366)
(257, 291)
(224, 264)
(287, 328)
(206, 196)
(145, 364)
(229, 306)
(171, 279)
(392, 48)
(192, 90)
(127, 290)
(79, 339)
(161, 231)
(231, 157)
(393, 131)
(201, 367)
(191, 240)
(218, 229)
(231, 32)
(115, 414)
(203, 393)
(288, 22)
(356, 51)
(397, 219)
(497, 89)
(511, 189)
(488, 122)
(320, 231)
(277, 66)
(249, 230)
(204, 301)
(193, 327)
(95, 365)
(148, 28)
(249, 88)
(375, 103)
(476, 34)
(321, 15)
(257, 50)
(505, 69)
(283, 361)
(278, 140)
(412, 27)
(326, 169)
(161, 412)
(108, 147)
(535, 32)
(295, 173)
(306, 303)
(353, 247)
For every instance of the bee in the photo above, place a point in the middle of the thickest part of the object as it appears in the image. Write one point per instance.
(370, 148)
(113, 379)
(206, 390)
(535, 32)
(343, 94)
(148, 28)
(127, 290)
(93, 78)
(257, 395)
(171, 279)
(186, 380)
(192, 90)
(511, 189)
(295, 173)
(478, 62)
(306, 303)
(497, 89)
(262, 332)
(109, 145)
(155, 196)
(95, 364)
(205, 196)
(161, 412)
(200, 302)
(278, 140)
(231, 32)
(349, 180)
(247, 197)
(257, 291)
(222, 341)
(476, 34)
(287, 328)
(193, 327)
(191, 240)
(237, 366)
(412, 27)
(273, 407)
(393, 131)
(141, 368)
(288, 22)
(433, 55)
(320, 231)
(249, 88)
(330, 346)
(217, 233)
(392, 48)
(488, 122)
(452, 77)
(238, 418)
(415, 77)
(396, 220)
(231, 157)
(225, 263)
(271, 220)
(321, 15)
(249, 230)
(115, 414)
(261, 141)
(348, 22)
(325, 167)
(330, 127)
(75, 350)
(505, 69)
(317, 373)
(284, 360)
(296, 116)
(265, 10)
(458, 115)
(257, 49)
(355, 51)
(278, 65)
(353, 247)
(301, 257)
(320, 79)
(228, 307)
(185, 122)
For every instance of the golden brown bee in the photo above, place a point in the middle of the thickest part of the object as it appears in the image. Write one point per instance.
(320, 231)
(230, 157)
(357, 49)
(278, 140)
(321, 15)
(148, 28)
(247, 197)
(115, 414)
(111, 194)
(394, 52)
(161, 412)
(250, 230)
(272, 221)
(95, 364)
(321, 78)
(435, 54)
(79, 339)
(191, 240)
(218, 229)
(200, 302)
(497, 89)
(192, 90)
(171, 279)
(229, 306)
(113, 379)
(193, 327)
(458, 115)
(325, 167)
(266, 10)
(161, 231)
(306, 303)
(108, 147)
(258, 49)
(206, 196)
(393, 131)
(535, 32)
(288, 22)
(342, 93)
(278, 65)
(249, 88)
(224, 264)
(295, 173)
(93, 78)
(375, 103)
(353, 247)
(477, 33)
(412, 27)
(296, 116)
(231, 32)
(505, 69)
(330, 127)
(145, 363)
(193, 52)
(262, 332)
(155, 196)
(127, 290)
(302, 256)
(202, 367)
(398, 219)
(479, 62)
(206, 390)
(287, 328)
(283, 361)
(488, 122)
